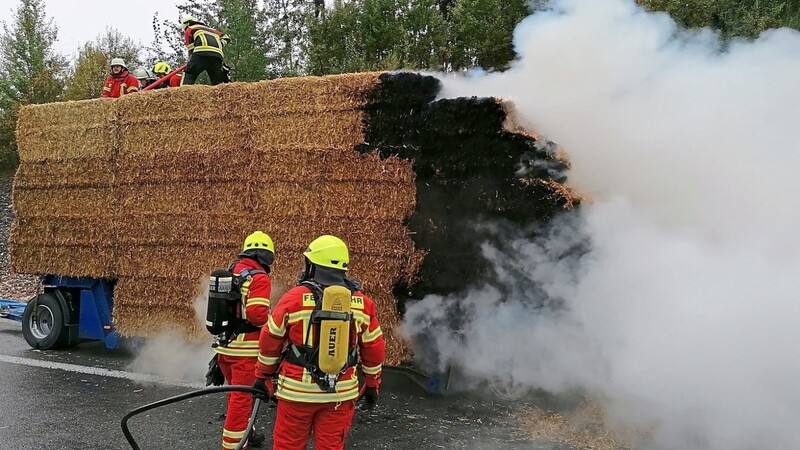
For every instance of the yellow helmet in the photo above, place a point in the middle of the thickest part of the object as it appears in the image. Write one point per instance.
(258, 241)
(162, 68)
(328, 251)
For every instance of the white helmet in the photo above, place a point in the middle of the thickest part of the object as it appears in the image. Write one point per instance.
(187, 20)
(119, 62)
(143, 74)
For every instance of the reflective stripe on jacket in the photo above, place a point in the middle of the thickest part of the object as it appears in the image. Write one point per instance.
(288, 321)
(202, 39)
(124, 84)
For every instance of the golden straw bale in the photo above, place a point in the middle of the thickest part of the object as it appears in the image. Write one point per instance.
(171, 261)
(61, 260)
(69, 202)
(182, 293)
(67, 130)
(87, 172)
(171, 167)
(300, 95)
(87, 112)
(187, 198)
(131, 320)
(68, 142)
(335, 199)
(376, 272)
(336, 164)
(336, 129)
(91, 232)
(189, 103)
(164, 230)
(209, 135)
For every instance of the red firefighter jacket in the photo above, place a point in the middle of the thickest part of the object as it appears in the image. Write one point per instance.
(204, 40)
(288, 321)
(120, 85)
(174, 80)
(255, 309)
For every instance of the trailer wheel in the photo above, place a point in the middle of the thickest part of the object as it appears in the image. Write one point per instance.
(44, 330)
(508, 390)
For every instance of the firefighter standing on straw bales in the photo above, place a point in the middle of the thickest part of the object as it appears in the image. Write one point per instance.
(205, 46)
(120, 82)
(162, 69)
(313, 394)
(238, 358)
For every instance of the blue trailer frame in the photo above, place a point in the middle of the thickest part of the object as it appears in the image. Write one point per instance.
(86, 307)
(11, 309)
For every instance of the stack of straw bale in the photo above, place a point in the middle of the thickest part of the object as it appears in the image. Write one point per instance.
(64, 200)
(157, 189)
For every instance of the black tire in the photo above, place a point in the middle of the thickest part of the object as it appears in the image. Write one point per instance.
(506, 390)
(46, 331)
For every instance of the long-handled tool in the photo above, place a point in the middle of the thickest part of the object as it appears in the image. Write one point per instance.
(179, 398)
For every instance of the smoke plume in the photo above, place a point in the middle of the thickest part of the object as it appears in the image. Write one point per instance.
(674, 293)
(170, 356)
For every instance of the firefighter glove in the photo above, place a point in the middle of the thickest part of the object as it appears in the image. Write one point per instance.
(266, 388)
(369, 399)
(214, 375)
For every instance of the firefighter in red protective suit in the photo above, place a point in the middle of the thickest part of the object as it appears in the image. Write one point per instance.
(237, 359)
(161, 70)
(306, 401)
(206, 51)
(121, 81)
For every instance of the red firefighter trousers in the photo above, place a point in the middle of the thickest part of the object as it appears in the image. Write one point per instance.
(237, 370)
(295, 421)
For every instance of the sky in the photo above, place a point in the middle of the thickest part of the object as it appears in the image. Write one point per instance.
(80, 21)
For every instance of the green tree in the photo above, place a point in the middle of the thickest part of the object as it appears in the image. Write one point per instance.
(30, 70)
(732, 18)
(426, 35)
(482, 32)
(92, 66)
(334, 45)
(243, 21)
(286, 25)
(363, 35)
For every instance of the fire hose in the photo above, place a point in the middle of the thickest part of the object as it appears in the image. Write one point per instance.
(164, 79)
(199, 393)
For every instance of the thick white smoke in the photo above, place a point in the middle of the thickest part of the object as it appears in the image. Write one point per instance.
(171, 356)
(683, 311)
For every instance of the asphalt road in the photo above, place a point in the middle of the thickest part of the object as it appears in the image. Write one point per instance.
(75, 399)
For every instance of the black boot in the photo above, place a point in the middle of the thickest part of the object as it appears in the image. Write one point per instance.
(256, 439)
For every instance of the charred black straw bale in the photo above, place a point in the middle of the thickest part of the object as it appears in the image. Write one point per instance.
(404, 89)
(469, 170)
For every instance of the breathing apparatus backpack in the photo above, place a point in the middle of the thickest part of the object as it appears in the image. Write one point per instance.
(224, 312)
(334, 350)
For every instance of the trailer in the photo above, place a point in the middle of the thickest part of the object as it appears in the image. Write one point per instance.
(67, 310)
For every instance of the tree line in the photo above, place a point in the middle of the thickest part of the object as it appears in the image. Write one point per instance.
(281, 38)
